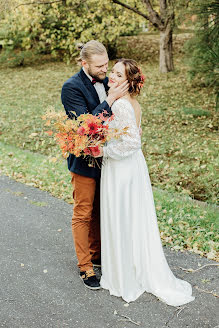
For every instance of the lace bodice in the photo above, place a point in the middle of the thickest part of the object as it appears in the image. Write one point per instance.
(127, 144)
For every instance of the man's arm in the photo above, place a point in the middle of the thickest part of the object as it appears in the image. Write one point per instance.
(74, 101)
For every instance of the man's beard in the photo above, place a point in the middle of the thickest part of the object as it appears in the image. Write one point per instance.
(98, 77)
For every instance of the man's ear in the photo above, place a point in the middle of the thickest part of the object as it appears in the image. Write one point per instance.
(84, 63)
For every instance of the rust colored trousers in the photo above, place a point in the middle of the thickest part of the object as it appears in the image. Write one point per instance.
(86, 219)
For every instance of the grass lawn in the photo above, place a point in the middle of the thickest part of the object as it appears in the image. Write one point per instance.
(179, 142)
(184, 224)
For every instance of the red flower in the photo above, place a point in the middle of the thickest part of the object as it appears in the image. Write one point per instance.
(69, 138)
(142, 77)
(141, 83)
(93, 128)
(95, 151)
(81, 131)
(87, 151)
(102, 137)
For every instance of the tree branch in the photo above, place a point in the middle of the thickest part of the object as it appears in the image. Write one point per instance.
(131, 8)
(155, 19)
(163, 7)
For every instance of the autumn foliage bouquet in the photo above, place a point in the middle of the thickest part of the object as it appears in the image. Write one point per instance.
(82, 135)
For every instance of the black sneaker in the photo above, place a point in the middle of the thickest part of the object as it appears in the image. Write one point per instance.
(96, 263)
(90, 280)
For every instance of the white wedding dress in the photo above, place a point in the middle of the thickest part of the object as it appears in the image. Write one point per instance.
(132, 257)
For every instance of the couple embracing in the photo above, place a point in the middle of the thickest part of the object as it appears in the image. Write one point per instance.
(114, 222)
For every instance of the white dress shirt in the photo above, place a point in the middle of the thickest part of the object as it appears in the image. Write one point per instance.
(99, 88)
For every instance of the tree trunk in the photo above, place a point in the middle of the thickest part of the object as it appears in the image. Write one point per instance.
(166, 49)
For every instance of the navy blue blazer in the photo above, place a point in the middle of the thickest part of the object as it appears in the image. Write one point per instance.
(79, 95)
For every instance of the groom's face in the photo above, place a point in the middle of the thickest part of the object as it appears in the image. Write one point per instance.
(97, 66)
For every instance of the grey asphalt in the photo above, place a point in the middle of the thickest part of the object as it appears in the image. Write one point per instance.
(39, 279)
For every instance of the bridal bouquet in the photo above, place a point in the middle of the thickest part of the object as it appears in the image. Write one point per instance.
(83, 135)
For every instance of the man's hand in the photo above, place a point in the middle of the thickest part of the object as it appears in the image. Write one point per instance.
(116, 92)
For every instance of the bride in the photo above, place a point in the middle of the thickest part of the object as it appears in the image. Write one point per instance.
(133, 261)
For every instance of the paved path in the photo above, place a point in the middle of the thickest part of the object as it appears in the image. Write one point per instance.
(39, 279)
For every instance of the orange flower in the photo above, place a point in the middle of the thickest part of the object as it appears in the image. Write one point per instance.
(77, 153)
(86, 127)
(103, 116)
(81, 131)
(83, 142)
(83, 136)
(71, 146)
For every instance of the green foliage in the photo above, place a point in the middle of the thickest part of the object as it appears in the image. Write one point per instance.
(180, 148)
(196, 112)
(16, 58)
(55, 29)
(203, 48)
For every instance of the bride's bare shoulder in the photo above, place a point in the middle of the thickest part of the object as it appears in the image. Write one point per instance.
(136, 103)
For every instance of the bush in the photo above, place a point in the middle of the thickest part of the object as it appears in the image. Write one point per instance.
(55, 29)
(203, 48)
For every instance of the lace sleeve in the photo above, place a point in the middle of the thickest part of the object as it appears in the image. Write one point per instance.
(127, 144)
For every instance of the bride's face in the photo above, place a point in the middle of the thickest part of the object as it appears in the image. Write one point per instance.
(117, 76)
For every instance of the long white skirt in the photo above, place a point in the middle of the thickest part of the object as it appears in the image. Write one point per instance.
(133, 260)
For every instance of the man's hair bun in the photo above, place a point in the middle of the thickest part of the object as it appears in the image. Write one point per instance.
(79, 46)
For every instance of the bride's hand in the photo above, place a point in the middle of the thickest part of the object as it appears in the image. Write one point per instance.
(115, 92)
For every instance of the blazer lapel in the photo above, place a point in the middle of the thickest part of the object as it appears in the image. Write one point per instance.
(105, 83)
(89, 86)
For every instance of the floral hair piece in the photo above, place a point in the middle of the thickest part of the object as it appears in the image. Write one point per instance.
(142, 79)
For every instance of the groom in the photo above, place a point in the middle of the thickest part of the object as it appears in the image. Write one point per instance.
(86, 92)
